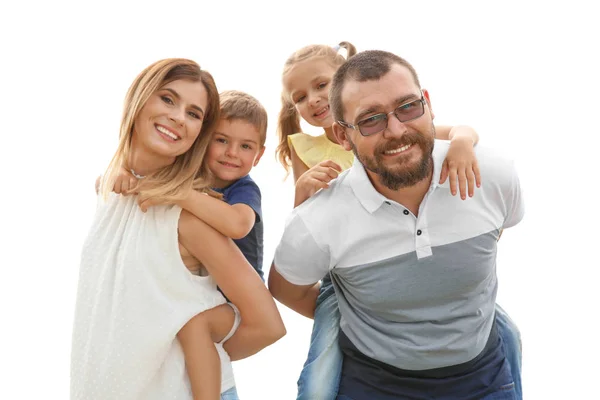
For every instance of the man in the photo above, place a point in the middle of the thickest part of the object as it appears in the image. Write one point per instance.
(413, 266)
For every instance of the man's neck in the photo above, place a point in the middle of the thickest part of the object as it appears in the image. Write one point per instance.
(410, 197)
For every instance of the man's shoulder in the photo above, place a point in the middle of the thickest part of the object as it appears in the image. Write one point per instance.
(495, 163)
(330, 203)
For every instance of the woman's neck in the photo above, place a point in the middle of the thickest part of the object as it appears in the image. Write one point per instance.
(143, 162)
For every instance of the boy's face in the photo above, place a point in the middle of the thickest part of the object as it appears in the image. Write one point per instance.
(233, 150)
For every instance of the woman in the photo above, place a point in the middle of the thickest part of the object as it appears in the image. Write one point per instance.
(146, 278)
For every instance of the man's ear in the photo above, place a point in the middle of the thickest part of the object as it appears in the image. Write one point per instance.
(426, 96)
(341, 136)
(259, 155)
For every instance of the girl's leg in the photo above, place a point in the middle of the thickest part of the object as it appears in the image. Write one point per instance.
(230, 394)
(321, 373)
(511, 338)
(203, 364)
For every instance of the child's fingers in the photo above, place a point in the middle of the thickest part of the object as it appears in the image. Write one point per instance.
(444, 173)
(117, 186)
(144, 205)
(462, 183)
(130, 185)
(320, 184)
(124, 186)
(453, 179)
(471, 181)
(477, 173)
(331, 164)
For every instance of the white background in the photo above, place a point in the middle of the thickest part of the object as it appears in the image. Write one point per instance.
(524, 74)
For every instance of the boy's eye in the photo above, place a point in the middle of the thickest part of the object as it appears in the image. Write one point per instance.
(322, 85)
(246, 147)
(166, 99)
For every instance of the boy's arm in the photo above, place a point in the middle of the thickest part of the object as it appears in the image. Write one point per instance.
(234, 221)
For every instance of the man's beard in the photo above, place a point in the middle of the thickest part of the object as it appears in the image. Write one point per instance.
(398, 178)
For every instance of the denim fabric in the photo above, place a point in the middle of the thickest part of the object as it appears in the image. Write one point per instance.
(230, 394)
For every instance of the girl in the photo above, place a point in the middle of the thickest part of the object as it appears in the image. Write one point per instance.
(146, 278)
(315, 161)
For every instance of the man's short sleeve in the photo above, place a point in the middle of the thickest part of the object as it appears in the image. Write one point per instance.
(298, 257)
(246, 192)
(515, 205)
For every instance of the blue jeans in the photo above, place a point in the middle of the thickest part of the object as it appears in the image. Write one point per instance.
(230, 394)
(320, 376)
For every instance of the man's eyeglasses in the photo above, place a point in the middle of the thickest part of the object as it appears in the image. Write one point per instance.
(379, 122)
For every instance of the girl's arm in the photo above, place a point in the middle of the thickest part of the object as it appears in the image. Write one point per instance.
(298, 166)
(261, 324)
(461, 163)
(446, 132)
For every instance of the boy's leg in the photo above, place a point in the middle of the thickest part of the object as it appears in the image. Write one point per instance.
(511, 338)
(202, 361)
(320, 375)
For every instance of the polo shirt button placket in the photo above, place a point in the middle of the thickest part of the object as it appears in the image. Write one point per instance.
(422, 242)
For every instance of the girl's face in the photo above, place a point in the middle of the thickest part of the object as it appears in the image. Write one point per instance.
(307, 84)
(171, 119)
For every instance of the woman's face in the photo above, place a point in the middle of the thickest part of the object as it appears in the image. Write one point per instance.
(171, 119)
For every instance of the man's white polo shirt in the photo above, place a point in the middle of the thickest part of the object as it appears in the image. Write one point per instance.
(415, 292)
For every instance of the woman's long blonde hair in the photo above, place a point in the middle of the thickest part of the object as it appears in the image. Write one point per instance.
(188, 172)
(288, 122)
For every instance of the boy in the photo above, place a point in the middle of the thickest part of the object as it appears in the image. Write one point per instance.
(237, 145)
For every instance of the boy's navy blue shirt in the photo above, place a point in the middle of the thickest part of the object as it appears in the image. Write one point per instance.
(246, 191)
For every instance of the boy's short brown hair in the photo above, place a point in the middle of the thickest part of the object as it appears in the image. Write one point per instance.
(236, 105)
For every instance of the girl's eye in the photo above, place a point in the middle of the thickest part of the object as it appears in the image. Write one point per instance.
(322, 85)
(194, 115)
(299, 99)
(221, 140)
(167, 99)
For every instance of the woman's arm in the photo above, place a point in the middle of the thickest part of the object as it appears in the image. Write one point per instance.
(261, 323)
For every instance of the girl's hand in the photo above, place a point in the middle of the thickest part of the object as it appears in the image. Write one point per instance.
(316, 178)
(461, 164)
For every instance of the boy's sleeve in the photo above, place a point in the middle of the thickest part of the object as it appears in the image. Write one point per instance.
(515, 206)
(298, 257)
(246, 193)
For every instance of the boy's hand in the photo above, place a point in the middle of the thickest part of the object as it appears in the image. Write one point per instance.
(461, 164)
(316, 178)
(125, 182)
